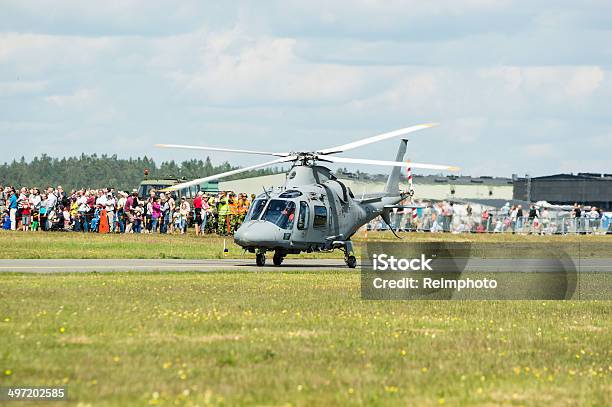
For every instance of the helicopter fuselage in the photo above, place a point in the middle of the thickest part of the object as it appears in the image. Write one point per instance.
(313, 211)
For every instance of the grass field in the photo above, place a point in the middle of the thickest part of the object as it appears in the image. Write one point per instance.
(57, 245)
(293, 339)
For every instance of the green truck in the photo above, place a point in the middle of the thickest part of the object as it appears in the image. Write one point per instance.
(147, 185)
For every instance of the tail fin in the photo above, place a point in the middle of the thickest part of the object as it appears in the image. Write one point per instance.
(392, 186)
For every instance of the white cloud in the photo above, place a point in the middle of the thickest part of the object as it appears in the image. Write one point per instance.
(114, 17)
(545, 150)
(584, 81)
(235, 69)
(509, 81)
(468, 130)
(21, 87)
(37, 54)
(18, 126)
(79, 98)
(569, 80)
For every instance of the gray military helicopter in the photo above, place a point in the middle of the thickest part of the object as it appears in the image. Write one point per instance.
(314, 211)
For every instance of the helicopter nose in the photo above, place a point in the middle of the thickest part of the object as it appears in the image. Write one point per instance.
(257, 233)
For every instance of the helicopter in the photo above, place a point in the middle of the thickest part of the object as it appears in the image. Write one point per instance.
(314, 211)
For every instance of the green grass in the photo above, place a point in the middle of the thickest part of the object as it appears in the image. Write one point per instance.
(58, 245)
(298, 338)
(302, 338)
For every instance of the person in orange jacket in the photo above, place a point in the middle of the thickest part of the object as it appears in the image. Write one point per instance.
(103, 227)
(243, 208)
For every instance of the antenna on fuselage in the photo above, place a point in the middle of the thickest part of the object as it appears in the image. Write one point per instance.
(265, 192)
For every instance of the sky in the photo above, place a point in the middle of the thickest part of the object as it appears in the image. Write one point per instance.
(517, 86)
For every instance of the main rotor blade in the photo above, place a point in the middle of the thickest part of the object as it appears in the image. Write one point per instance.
(380, 137)
(335, 159)
(228, 173)
(227, 150)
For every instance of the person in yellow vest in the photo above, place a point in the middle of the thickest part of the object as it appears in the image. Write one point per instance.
(74, 209)
(224, 213)
(234, 212)
(211, 218)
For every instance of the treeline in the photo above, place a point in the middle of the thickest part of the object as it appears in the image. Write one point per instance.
(93, 171)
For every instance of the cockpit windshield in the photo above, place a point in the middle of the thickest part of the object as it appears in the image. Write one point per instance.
(281, 213)
(255, 209)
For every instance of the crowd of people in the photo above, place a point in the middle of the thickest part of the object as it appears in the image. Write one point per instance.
(108, 211)
(464, 218)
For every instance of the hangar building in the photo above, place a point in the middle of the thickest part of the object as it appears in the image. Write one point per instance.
(566, 189)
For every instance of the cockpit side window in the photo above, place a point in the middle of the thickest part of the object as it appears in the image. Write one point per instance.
(281, 213)
(320, 217)
(303, 216)
(255, 209)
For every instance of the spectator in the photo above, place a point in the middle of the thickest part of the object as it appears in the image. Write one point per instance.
(205, 213)
(148, 220)
(223, 210)
(110, 203)
(155, 214)
(83, 211)
(13, 209)
(119, 216)
(66, 217)
(2, 200)
(165, 213)
(176, 219)
(533, 213)
(74, 212)
(103, 226)
(62, 199)
(184, 210)
(42, 213)
(6, 220)
(486, 218)
(594, 218)
(35, 204)
(95, 220)
(128, 210)
(519, 217)
(51, 201)
(25, 214)
(138, 212)
(513, 218)
(197, 209)
(212, 224)
(171, 207)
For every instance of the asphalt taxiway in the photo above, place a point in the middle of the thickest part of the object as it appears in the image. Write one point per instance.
(157, 265)
(248, 264)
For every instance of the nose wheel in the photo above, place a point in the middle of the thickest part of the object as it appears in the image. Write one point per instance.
(260, 259)
(351, 261)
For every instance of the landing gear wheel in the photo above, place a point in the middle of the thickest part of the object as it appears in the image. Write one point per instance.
(278, 259)
(260, 259)
(351, 262)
